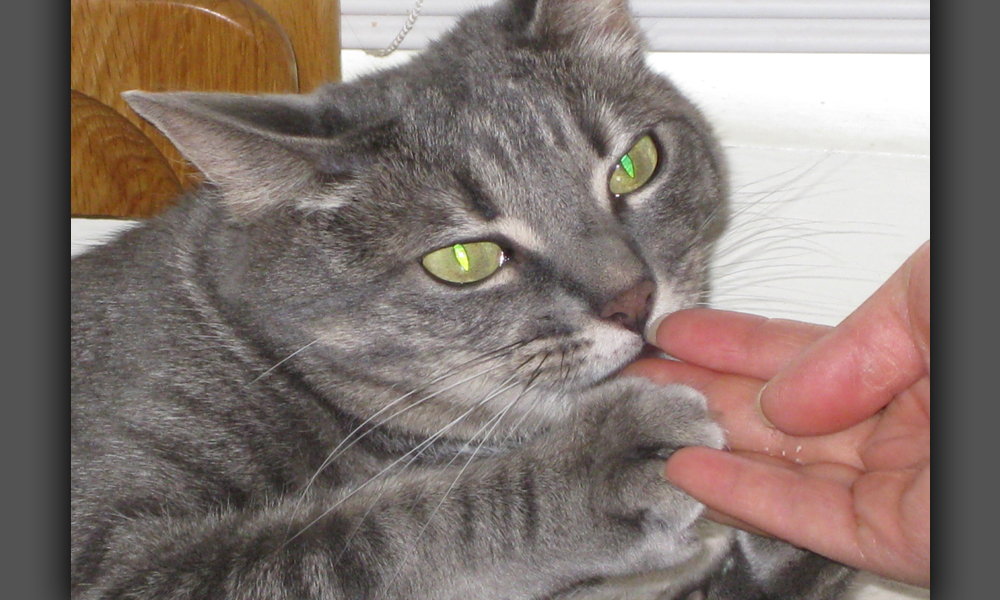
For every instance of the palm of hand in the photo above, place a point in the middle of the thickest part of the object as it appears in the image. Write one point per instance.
(891, 495)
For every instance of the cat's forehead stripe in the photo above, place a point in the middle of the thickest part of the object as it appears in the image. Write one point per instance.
(519, 232)
(593, 132)
(478, 198)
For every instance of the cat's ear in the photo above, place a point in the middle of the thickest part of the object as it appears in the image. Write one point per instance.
(259, 150)
(604, 25)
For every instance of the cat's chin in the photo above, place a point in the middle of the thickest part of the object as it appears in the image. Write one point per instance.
(645, 351)
(613, 349)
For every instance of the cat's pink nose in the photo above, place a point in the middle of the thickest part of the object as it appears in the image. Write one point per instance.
(631, 308)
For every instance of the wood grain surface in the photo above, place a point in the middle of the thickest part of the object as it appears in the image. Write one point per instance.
(116, 170)
(173, 45)
(313, 27)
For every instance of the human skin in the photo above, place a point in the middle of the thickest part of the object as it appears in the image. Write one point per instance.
(828, 428)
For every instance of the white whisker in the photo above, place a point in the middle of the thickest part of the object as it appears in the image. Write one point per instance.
(496, 422)
(348, 442)
(413, 454)
(281, 362)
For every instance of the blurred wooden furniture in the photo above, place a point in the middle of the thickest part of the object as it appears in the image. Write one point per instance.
(120, 165)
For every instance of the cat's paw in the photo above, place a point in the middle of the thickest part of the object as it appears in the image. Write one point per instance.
(634, 427)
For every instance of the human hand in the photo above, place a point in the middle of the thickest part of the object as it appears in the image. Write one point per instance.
(845, 468)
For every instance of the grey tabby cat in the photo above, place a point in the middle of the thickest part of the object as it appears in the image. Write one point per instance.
(374, 356)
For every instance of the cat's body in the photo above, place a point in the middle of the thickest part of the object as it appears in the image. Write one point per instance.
(274, 397)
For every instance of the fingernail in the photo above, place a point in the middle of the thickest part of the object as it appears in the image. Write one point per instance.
(651, 329)
(760, 411)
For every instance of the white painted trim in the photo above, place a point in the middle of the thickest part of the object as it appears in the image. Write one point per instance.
(841, 26)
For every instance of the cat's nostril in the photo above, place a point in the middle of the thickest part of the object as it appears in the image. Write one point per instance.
(631, 308)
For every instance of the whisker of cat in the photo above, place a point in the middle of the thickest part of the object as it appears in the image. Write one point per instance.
(775, 176)
(733, 292)
(735, 277)
(803, 170)
(496, 421)
(775, 309)
(372, 504)
(746, 200)
(772, 199)
(415, 452)
(534, 403)
(503, 387)
(852, 226)
(348, 442)
(765, 227)
(790, 229)
(564, 374)
(435, 378)
(529, 384)
(764, 248)
(795, 272)
(795, 260)
(498, 418)
(282, 361)
(801, 263)
(350, 439)
(735, 211)
(780, 235)
(729, 297)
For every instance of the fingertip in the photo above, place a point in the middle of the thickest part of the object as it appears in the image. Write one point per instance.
(808, 397)
(673, 470)
(674, 329)
(665, 328)
(688, 462)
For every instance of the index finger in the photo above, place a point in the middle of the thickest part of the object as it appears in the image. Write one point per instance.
(732, 404)
(737, 343)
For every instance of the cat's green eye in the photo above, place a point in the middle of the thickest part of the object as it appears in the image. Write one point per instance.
(635, 168)
(464, 263)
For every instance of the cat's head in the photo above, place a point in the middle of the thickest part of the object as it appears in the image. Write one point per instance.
(482, 229)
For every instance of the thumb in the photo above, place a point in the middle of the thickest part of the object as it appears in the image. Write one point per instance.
(858, 367)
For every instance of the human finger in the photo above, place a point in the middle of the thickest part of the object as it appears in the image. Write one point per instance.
(877, 522)
(855, 369)
(732, 404)
(732, 342)
(724, 519)
(774, 499)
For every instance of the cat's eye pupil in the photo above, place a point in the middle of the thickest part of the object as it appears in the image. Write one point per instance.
(628, 165)
(461, 256)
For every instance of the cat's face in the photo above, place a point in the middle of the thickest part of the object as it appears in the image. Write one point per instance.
(450, 234)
